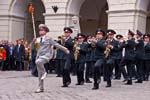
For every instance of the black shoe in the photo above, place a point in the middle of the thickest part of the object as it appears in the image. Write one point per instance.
(88, 81)
(108, 85)
(124, 80)
(58, 76)
(117, 78)
(95, 88)
(138, 81)
(64, 85)
(68, 83)
(128, 83)
(82, 83)
(146, 79)
(78, 83)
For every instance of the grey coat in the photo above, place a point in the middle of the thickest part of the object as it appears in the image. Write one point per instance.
(45, 50)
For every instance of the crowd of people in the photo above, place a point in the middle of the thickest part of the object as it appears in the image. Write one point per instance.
(14, 56)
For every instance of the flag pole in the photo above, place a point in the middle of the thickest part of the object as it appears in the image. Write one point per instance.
(31, 10)
(33, 25)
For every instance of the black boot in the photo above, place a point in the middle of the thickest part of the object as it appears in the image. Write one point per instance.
(96, 86)
(129, 82)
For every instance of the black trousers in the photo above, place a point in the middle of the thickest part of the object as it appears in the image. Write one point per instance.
(97, 71)
(11, 63)
(139, 67)
(80, 72)
(117, 69)
(130, 67)
(88, 71)
(146, 69)
(59, 67)
(66, 71)
(73, 67)
(19, 65)
(108, 69)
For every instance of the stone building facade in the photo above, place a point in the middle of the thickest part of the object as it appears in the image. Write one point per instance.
(82, 15)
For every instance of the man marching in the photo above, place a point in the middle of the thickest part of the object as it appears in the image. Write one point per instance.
(44, 44)
(68, 43)
(110, 56)
(100, 48)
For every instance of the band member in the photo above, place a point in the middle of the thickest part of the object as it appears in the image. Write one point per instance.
(110, 56)
(99, 51)
(129, 58)
(44, 54)
(59, 57)
(67, 58)
(139, 56)
(80, 54)
(146, 56)
(88, 72)
(93, 50)
(119, 38)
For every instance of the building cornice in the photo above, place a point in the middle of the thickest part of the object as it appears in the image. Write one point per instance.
(58, 14)
(13, 16)
(128, 11)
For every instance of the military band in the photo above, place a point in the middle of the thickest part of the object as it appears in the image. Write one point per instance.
(98, 55)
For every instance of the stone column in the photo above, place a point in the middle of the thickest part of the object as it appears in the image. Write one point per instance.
(123, 20)
(56, 23)
(126, 14)
(4, 19)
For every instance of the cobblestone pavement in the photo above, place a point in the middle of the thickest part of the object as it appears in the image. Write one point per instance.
(21, 86)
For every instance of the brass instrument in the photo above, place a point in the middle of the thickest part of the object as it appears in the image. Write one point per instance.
(76, 52)
(93, 43)
(62, 39)
(107, 50)
(37, 46)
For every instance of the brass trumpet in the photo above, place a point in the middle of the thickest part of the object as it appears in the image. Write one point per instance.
(62, 39)
(93, 43)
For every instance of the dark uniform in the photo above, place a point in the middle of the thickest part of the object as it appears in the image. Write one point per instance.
(110, 60)
(88, 71)
(58, 61)
(66, 69)
(128, 59)
(92, 56)
(139, 56)
(146, 70)
(119, 57)
(32, 65)
(99, 56)
(80, 63)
